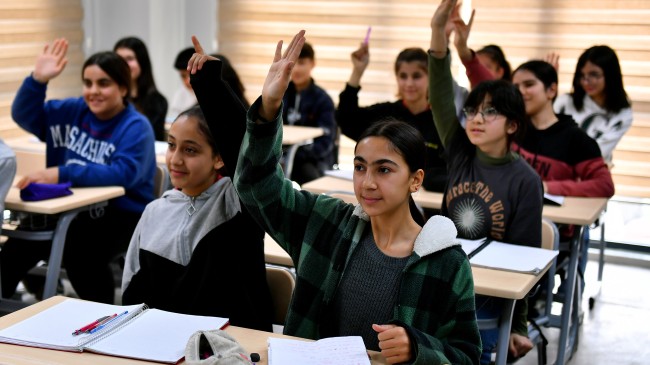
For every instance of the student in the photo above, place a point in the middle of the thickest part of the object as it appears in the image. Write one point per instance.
(598, 101)
(569, 162)
(144, 95)
(307, 104)
(412, 107)
(418, 278)
(8, 171)
(95, 140)
(188, 251)
(492, 192)
(488, 63)
(183, 97)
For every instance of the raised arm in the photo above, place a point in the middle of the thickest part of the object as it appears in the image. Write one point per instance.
(212, 94)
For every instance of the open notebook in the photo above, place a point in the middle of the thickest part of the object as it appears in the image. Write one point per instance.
(142, 333)
(506, 256)
(348, 350)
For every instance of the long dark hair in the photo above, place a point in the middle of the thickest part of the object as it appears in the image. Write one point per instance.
(145, 81)
(115, 67)
(605, 58)
(497, 56)
(408, 143)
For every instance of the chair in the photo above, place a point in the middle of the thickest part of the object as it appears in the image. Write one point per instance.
(550, 241)
(281, 283)
(159, 181)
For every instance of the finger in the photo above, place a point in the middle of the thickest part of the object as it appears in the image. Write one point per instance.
(396, 359)
(379, 328)
(197, 45)
(471, 19)
(293, 51)
(22, 183)
(278, 52)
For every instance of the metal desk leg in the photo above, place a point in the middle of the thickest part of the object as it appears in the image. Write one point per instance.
(291, 155)
(56, 252)
(505, 323)
(566, 343)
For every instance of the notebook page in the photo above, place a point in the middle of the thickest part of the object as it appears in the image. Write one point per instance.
(53, 327)
(470, 245)
(156, 335)
(511, 257)
(348, 350)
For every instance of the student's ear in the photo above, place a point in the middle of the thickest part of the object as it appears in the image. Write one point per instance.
(416, 182)
(511, 127)
(551, 92)
(218, 162)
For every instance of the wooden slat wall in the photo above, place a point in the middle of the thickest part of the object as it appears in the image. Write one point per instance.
(25, 27)
(526, 29)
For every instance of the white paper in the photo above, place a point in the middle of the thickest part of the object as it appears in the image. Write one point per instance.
(557, 199)
(511, 257)
(470, 245)
(348, 350)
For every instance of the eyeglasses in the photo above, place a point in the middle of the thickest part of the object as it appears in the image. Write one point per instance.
(489, 114)
(591, 77)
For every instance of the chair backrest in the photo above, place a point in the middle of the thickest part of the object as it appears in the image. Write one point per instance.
(281, 283)
(550, 241)
(159, 181)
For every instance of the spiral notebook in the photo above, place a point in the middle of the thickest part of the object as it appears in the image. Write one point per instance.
(142, 333)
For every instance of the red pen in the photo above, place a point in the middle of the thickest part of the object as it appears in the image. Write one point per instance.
(89, 326)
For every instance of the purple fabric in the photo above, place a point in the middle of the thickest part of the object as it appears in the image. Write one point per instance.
(36, 192)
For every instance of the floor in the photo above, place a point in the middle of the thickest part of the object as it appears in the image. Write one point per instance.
(616, 329)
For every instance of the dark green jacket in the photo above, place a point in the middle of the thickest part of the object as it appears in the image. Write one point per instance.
(320, 233)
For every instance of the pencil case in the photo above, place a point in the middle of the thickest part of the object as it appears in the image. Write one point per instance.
(35, 191)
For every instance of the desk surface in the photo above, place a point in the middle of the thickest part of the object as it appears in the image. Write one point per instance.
(251, 340)
(328, 184)
(575, 210)
(491, 282)
(80, 197)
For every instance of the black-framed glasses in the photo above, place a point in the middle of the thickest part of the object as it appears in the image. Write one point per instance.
(489, 114)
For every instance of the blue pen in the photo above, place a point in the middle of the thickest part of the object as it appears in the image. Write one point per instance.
(107, 322)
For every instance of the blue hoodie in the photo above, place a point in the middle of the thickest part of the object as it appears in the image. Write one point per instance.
(90, 151)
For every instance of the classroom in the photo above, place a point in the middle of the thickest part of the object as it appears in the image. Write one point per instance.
(612, 307)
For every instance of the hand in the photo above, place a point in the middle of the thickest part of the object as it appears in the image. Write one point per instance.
(47, 176)
(198, 58)
(277, 80)
(554, 59)
(394, 343)
(519, 345)
(462, 35)
(360, 58)
(52, 61)
(439, 38)
(443, 14)
(449, 27)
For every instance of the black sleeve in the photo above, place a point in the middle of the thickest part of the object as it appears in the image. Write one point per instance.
(223, 110)
(351, 118)
(154, 107)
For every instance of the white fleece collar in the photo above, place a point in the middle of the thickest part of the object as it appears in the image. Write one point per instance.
(437, 234)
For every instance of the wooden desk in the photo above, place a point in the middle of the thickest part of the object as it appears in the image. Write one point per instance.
(251, 340)
(82, 199)
(329, 184)
(295, 136)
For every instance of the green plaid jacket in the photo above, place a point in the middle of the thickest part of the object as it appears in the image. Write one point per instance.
(436, 294)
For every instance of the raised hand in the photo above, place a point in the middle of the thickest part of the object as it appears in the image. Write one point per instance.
(51, 62)
(394, 343)
(198, 58)
(360, 59)
(277, 80)
(462, 35)
(554, 59)
(439, 41)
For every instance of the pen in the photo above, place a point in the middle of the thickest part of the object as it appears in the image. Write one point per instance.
(365, 41)
(107, 322)
(89, 326)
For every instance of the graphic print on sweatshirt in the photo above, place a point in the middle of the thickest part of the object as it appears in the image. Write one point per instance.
(474, 210)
